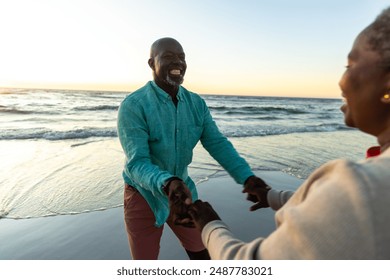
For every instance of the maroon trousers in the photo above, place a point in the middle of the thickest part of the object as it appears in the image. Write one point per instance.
(144, 237)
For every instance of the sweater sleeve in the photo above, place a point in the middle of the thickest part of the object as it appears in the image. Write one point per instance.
(276, 199)
(328, 217)
(222, 245)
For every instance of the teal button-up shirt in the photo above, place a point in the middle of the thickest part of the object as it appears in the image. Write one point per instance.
(158, 139)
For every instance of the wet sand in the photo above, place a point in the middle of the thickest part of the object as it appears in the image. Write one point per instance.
(100, 235)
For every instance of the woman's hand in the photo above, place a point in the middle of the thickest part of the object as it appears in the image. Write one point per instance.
(202, 213)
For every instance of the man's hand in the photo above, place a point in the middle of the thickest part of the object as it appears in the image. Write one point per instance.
(202, 213)
(257, 191)
(179, 197)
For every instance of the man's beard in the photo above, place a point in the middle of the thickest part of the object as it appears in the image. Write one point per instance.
(172, 82)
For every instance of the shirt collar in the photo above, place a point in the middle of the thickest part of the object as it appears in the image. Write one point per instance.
(163, 95)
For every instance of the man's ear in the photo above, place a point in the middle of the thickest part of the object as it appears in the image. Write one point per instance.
(151, 63)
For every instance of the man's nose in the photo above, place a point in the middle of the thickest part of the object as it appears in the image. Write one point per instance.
(177, 59)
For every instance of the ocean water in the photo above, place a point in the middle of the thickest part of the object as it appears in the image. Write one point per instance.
(60, 154)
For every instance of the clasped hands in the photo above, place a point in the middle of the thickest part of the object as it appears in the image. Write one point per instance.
(199, 213)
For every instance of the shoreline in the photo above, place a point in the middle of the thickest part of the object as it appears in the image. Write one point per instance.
(100, 235)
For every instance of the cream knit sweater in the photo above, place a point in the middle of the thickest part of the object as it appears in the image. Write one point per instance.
(342, 211)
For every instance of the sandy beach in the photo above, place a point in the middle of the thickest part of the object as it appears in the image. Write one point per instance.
(100, 235)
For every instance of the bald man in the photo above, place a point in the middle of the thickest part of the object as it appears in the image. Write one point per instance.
(158, 126)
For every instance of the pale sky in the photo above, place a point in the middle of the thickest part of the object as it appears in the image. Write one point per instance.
(247, 47)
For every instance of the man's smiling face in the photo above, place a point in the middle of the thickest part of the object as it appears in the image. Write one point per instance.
(168, 64)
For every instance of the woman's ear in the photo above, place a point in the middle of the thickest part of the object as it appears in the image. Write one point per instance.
(386, 96)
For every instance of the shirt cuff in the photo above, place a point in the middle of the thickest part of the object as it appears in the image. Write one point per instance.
(165, 187)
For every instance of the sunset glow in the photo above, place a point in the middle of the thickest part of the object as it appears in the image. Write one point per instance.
(275, 48)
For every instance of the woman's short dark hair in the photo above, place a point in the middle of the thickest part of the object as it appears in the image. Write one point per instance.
(378, 34)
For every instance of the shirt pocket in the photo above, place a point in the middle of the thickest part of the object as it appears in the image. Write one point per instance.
(155, 134)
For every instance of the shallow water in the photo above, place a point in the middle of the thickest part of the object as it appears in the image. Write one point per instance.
(45, 178)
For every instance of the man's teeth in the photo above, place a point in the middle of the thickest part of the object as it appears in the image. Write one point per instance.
(175, 72)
